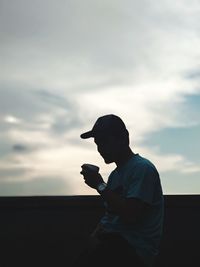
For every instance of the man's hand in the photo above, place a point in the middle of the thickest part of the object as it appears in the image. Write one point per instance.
(91, 176)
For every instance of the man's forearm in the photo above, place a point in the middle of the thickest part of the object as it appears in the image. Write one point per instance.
(116, 203)
(128, 209)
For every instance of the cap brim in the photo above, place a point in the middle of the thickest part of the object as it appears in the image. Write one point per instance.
(87, 135)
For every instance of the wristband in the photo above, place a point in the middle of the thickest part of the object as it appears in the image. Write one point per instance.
(101, 187)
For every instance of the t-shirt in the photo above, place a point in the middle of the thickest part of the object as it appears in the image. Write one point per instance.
(138, 178)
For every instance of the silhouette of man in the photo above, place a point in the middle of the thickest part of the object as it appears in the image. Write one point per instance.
(130, 230)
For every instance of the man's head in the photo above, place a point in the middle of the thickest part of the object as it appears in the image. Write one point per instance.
(111, 137)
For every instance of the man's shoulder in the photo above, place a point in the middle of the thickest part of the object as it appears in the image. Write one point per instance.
(136, 164)
(143, 164)
(143, 161)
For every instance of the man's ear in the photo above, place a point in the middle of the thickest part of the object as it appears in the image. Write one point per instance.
(124, 140)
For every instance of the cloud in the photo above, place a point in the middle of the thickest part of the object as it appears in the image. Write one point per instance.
(145, 108)
(19, 148)
(169, 162)
(32, 120)
(65, 63)
(98, 42)
(180, 183)
(37, 187)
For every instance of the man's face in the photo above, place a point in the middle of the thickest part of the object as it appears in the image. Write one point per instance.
(108, 147)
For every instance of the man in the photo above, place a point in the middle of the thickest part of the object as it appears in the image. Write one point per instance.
(130, 231)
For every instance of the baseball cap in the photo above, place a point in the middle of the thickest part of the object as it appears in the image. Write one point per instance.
(106, 125)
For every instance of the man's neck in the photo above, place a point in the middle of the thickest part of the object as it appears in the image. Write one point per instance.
(124, 157)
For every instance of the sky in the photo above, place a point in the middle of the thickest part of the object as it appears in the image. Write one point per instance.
(65, 63)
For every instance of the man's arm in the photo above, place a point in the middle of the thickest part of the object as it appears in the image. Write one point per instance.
(129, 209)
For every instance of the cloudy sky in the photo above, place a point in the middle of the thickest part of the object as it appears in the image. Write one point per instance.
(64, 63)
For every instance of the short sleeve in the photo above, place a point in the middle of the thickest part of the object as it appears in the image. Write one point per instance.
(143, 183)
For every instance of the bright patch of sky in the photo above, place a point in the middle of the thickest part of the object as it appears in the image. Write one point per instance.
(65, 63)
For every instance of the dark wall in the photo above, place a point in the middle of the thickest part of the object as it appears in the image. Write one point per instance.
(51, 231)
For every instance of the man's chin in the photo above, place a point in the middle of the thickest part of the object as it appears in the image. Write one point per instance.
(108, 161)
